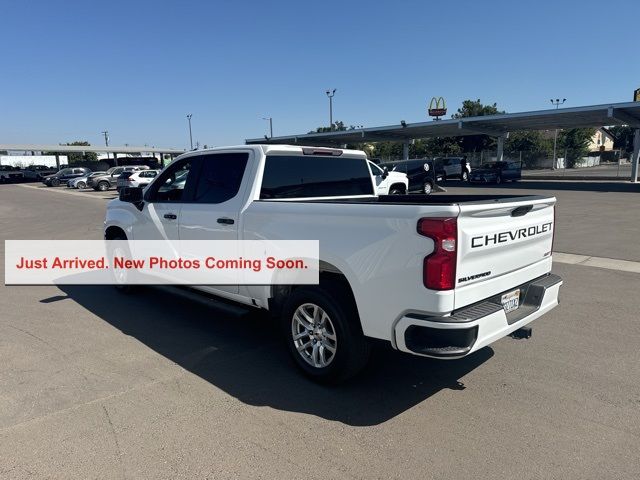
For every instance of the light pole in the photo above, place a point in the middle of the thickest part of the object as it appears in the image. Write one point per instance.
(557, 103)
(330, 94)
(190, 134)
(270, 125)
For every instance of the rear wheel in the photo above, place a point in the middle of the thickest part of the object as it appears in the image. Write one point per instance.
(55, 182)
(465, 176)
(498, 180)
(323, 335)
(103, 186)
(428, 188)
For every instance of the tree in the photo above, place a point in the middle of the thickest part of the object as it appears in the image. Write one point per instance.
(76, 157)
(528, 140)
(576, 143)
(337, 127)
(475, 108)
(623, 137)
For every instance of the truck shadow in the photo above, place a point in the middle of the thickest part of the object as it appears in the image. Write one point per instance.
(244, 356)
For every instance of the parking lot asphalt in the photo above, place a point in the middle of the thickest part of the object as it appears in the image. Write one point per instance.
(612, 170)
(96, 384)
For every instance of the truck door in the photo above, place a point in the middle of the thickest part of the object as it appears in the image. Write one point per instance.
(164, 201)
(380, 182)
(219, 193)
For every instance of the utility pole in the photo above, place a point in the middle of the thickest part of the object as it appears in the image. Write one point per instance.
(106, 140)
(270, 125)
(330, 94)
(557, 103)
(190, 134)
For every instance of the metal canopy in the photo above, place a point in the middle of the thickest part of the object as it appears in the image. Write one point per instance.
(82, 148)
(493, 125)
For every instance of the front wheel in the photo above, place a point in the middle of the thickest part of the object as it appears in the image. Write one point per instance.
(323, 335)
(81, 185)
(396, 191)
(55, 182)
(428, 188)
(103, 186)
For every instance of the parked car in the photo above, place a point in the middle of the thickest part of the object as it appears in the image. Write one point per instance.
(81, 182)
(38, 172)
(454, 167)
(110, 177)
(389, 183)
(497, 172)
(422, 175)
(141, 178)
(439, 277)
(64, 175)
(9, 173)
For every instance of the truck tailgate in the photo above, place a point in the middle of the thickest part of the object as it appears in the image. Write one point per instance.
(502, 245)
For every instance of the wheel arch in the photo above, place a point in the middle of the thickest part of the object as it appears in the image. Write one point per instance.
(328, 274)
(114, 231)
(398, 185)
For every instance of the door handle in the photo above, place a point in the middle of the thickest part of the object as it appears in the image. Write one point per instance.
(170, 216)
(226, 221)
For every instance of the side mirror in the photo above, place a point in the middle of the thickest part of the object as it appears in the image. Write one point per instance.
(132, 195)
(385, 172)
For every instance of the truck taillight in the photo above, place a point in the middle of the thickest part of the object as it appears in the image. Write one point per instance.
(439, 268)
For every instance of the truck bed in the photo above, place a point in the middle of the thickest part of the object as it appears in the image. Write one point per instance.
(415, 199)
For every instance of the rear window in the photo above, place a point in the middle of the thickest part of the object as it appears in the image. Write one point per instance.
(314, 176)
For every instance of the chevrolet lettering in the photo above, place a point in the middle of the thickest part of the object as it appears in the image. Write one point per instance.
(504, 237)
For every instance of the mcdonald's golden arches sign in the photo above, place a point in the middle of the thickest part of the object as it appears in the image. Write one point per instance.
(437, 107)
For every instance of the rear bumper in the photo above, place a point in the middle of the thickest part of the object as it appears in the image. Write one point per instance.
(476, 326)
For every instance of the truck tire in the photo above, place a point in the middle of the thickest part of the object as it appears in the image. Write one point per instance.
(396, 190)
(110, 253)
(102, 186)
(322, 331)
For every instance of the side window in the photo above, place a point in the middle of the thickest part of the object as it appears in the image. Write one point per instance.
(220, 177)
(289, 176)
(171, 185)
(117, 172)
(375, 170)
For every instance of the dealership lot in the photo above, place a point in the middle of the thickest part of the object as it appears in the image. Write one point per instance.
(95, 384)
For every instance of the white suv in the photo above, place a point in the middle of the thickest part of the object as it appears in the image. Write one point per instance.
(141, 178)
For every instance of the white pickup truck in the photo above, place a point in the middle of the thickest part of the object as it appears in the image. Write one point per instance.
(439, 276)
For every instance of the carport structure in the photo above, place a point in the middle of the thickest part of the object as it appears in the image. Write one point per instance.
(497, 126)
(83, 148)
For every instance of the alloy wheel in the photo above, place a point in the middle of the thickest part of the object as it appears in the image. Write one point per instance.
(314, 335)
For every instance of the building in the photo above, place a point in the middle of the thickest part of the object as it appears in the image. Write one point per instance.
(602, 141)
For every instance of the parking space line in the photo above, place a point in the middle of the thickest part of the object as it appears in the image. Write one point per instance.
(65, 191)
(598, 262)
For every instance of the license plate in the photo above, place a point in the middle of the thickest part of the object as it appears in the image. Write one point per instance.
(510, 301)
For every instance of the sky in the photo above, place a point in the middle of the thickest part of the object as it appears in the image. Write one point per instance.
(72, 69)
